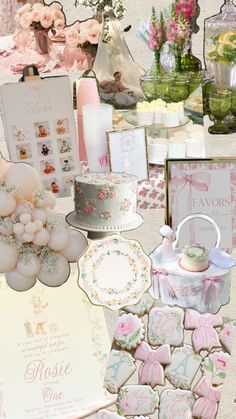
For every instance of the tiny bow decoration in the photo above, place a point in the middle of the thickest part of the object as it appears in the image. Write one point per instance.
(151, 371)
(211, 289)
(161, 275)
(207, 405)
(204, 335)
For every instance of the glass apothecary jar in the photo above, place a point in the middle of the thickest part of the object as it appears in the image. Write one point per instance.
(220, 46)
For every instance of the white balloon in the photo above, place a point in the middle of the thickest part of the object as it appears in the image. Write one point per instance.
(30, 228)
(41, 238)
(7, 204)
(38, 224)
(56, 274)
(76, 246)
(59, 239)
(18, 229)
(25, 218)
(25, 177)
(4, 166)
(19, 282)
(39, 214)
(27, 238)
(28, 265)
(8, 257)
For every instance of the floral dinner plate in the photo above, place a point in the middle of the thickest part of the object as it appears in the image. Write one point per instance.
(115, 272)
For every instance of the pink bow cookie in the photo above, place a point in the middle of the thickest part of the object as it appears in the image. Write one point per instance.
(207, 405)
(151, 371)
(204, 335)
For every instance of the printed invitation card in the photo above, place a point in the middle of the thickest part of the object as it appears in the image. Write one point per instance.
(54, 350)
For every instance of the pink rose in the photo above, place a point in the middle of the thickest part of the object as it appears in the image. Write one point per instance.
(101, 195)
(46, 18)
(220, 361)
(26, 20)
(58, 15)
(24, 9)
(59, 24)
(93, 36)
(82, 37)
(55, 6)
(125, 327)
(38, 7)
(36, 15)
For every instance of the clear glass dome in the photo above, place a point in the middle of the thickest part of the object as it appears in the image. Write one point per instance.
(220, 45)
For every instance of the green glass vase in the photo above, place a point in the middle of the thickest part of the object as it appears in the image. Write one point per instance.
(156, 68)
(190, 63)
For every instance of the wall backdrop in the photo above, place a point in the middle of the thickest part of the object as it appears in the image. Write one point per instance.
(139, 10)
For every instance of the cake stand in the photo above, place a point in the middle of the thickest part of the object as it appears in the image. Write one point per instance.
(100, 233)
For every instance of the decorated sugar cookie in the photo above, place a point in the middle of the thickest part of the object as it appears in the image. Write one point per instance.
(136, 400)
(120, 367)
(165, 325)
(227, 335)
(151, 371)
(129, 331)
(107, 414)
(214, 367)
(204, 335)
(143, 307)
(183, 368)
(176, 404)
(206, 405)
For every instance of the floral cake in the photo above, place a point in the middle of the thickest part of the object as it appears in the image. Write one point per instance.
(105, 200)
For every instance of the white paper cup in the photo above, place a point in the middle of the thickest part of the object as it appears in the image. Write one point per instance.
(194, 148)
(145, 118)
(158, 117)
(171, 119)
(177, 151)
(158, 153)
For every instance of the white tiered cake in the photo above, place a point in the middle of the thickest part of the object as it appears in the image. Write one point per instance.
(105, 200)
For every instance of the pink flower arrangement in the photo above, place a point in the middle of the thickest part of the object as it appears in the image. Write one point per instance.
(124, 327)
(178, 33)
(89, 207)
(83, 32)
(39, 17)
(186, 8)
(157, 33)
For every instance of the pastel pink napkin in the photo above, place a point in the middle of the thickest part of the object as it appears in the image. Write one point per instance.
(151, 371)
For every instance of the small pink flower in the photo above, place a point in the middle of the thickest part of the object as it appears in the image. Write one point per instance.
(82, 37)
(55, 6)
(59, 24)
(26, 20)
(125, 327)
(46, 18)
(228, 331)
(101, 195)
(221, 363)
(58, 14)
(38, 7)
(88, 210)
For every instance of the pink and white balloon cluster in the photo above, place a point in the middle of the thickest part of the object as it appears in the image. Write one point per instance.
(35, 241)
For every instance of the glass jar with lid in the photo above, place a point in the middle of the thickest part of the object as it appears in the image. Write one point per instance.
(220, 46)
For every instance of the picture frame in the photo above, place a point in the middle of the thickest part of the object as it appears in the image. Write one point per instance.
(128, 151)
(202, 186)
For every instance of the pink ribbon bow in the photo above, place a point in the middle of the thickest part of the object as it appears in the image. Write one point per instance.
(151, 371)
(207, 405)
(199, 181)
(161, 274)
(204, 335)
(211, 287)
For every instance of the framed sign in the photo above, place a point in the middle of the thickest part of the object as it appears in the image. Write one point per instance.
(40, 130)
(205, 186)
(127, 149)
(58, 353)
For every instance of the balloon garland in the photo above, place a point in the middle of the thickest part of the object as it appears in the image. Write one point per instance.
(35, 240)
